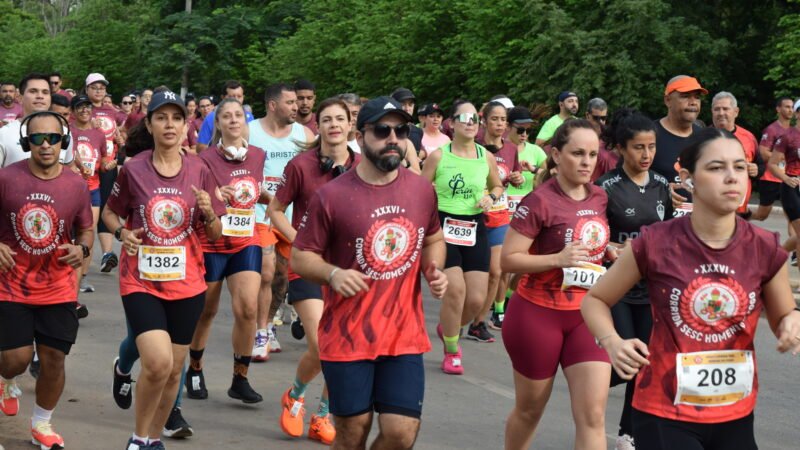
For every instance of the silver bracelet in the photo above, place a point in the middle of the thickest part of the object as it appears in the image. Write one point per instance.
(333, 272)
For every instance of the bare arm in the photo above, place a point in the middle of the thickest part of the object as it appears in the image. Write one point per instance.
(277, 215)
(774, 166)
(431, 163)
(514, 257)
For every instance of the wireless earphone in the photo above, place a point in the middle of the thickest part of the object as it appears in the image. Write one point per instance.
(25, 143)
(234, 153)
(327, 165)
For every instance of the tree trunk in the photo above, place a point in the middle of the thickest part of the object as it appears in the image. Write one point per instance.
(185, 75)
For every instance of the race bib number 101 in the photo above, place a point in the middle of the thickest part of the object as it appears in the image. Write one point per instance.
(583, 276)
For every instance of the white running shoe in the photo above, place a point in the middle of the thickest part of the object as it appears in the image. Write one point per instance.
(278, 318)
(625, 442)
(272, 336)
(261, 349)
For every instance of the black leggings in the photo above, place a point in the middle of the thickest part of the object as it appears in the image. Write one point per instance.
(656, 433)
(631, 321)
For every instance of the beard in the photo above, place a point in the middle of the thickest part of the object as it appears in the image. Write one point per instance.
(384, 159)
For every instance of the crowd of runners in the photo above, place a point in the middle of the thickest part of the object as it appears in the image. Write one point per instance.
(617, 247)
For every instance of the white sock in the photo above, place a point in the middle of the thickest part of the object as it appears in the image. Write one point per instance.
(143, 440)
(263, 331)
(40, 415)
(119, 372)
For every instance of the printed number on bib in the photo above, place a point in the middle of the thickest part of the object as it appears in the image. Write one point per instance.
(271, 184)
(89, 165)
(684, 210)
(715, 378)
(583, 276)
(501, 204)
(162, 263)
(460, 232)
(238, 222)
(513, 202)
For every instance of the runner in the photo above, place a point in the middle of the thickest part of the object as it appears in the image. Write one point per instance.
(784, 163)
(162, 195)
(236, 257)
(558, 237)
(42, 205)
(497, 218)
(353, 102)
(55, 85)
(637, 196)
(769, 186)
(324, 159)
(433, 138)
(60, 105)
(375, 289)
(597, 115)
(408, 101)
(231, 89)
(139, 113)
(698, 382)
(567, 108)
(35, 97)
(279, 134)
(461, 172)
(9, 109)
(306, 95)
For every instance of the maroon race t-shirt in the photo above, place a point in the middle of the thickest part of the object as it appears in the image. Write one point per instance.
(703, 299)
(167, 210)
(507, 161)
(36, 217)
(133, 119)
(107, 123)
(238, 224)
(553, 219)
(90, 144)
(312, 124)
(768, 138)
(789, 145)
(379, 231)
(9, 114)
(606, 162)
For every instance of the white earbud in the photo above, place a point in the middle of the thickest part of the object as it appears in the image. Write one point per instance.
(689, 184)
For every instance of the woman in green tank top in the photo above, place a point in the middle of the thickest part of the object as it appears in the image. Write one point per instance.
(461, 171)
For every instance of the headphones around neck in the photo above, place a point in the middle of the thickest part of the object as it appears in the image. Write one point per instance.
(326, 164)
(25, 143)
(234, 153)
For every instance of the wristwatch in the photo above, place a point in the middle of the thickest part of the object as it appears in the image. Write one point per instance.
(493, 197)
(118, 233)
(86, 251)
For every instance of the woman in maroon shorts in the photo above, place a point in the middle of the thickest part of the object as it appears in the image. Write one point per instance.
(558, 238)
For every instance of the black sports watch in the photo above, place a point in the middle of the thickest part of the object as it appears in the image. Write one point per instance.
(493, 197)
(118, 233)
(86, 251)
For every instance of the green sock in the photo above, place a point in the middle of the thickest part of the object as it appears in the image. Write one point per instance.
(298, 389)
(500, 307)
(509, 293)
(324, 408)
(451, 344)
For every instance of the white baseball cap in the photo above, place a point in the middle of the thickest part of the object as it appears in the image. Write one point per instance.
(95, 77)
(796, 105)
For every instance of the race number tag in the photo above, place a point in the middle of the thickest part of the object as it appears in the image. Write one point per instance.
(88, 166)
(460, 232)
(684, 210)
(271, 184)
(513, 202)
(238, 222)
(715, 378)
(583, 276)
(501, 204)
(162, 263)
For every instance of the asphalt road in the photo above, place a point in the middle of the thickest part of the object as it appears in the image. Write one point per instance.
(461, 412)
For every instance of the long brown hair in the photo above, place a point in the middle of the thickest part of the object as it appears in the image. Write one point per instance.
(217, 132)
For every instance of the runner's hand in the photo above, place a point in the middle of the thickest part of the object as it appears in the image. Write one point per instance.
(74, 256)
(203, 202)
(227, 193)
(527, 166)
(573, 255)
(677, 199)
(437, 280)
(626, 355)
(6, 258)
(131, 240)
(789, 333)
(612, 253)
(110, 164)
(348, 283)
(485, 203)
(516, 178)
(792, 181)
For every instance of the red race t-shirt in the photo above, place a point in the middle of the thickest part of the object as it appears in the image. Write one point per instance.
(553, 219)
(133, 119)
(238, 224)
(607, 161)
(789, 145)
(9, 114)
(90, 144)
(379, 231)
(703, 299)
(167, 210)
(36, 217)
(507, 161)
(106, 117)
(768, 138)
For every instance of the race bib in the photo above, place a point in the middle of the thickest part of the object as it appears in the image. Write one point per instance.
(513, 202)
(162, 263)
(501, 204)
(89, 166)
(460, 232)
(715, 378)
(583, 276)
(238, 222)
(684, 210)
(109, 148)
(271, 184)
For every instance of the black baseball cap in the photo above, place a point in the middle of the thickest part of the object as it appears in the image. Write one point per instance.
(519, 114)
(375, 109)
(403, 94)
(565, 95)
(429, 109)
(79, 100)
(166, 98)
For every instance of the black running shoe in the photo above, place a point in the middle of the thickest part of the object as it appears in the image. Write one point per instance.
(241, 390)
(83, 311)
(196, 384)
(108, 262)
(496, 322)
(298, 332)
(122, 387)
(177, 427)
(479, 333)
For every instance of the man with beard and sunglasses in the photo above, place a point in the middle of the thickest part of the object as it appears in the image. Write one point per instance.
(372, 333)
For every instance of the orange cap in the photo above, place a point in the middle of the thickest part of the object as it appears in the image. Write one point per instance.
(687, 84)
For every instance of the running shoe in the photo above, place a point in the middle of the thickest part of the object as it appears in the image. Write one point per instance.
(43, 435)
(278, 318)
(157, 445)
(136, 445)
(479, 333)
(35, 367)
(177, 427)
(9, 397)
(624, 442)
(261, 348)
(85, 286)
(108, 262)
(122, 387)
(451, 364)
(321, 429)
(196, 384)
(83, 311)
(241, 390)
(292, 414)
(297, 329)
(496, 322)
(272, 336)
(793, 259)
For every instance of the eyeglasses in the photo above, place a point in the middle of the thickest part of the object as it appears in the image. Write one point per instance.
(600, 118)
(39, 138)
(83, 107)
(467, 118)
(382, 131)
(126, 103)
(522, 130)
(97, 88)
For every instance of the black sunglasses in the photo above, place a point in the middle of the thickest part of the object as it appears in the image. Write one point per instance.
(39, 138)
(600, 118)
(522, 130)
(382, 131)
(127, 103)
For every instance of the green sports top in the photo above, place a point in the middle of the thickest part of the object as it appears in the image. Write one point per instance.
(537, 157)
(460, 182)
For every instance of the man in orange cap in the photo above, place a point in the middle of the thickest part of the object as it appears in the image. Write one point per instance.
(682, 97)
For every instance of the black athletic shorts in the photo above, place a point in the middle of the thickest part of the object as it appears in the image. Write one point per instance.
(54, 326)
(768, 192)
(790, 199)
(657, 433)
(146, 312)
(301, 289)
(475, 258)
(107, 180)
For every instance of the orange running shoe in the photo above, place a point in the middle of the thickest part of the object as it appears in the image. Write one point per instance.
(9, 402)
(292, 415)
(321, 429)
(45, 437)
